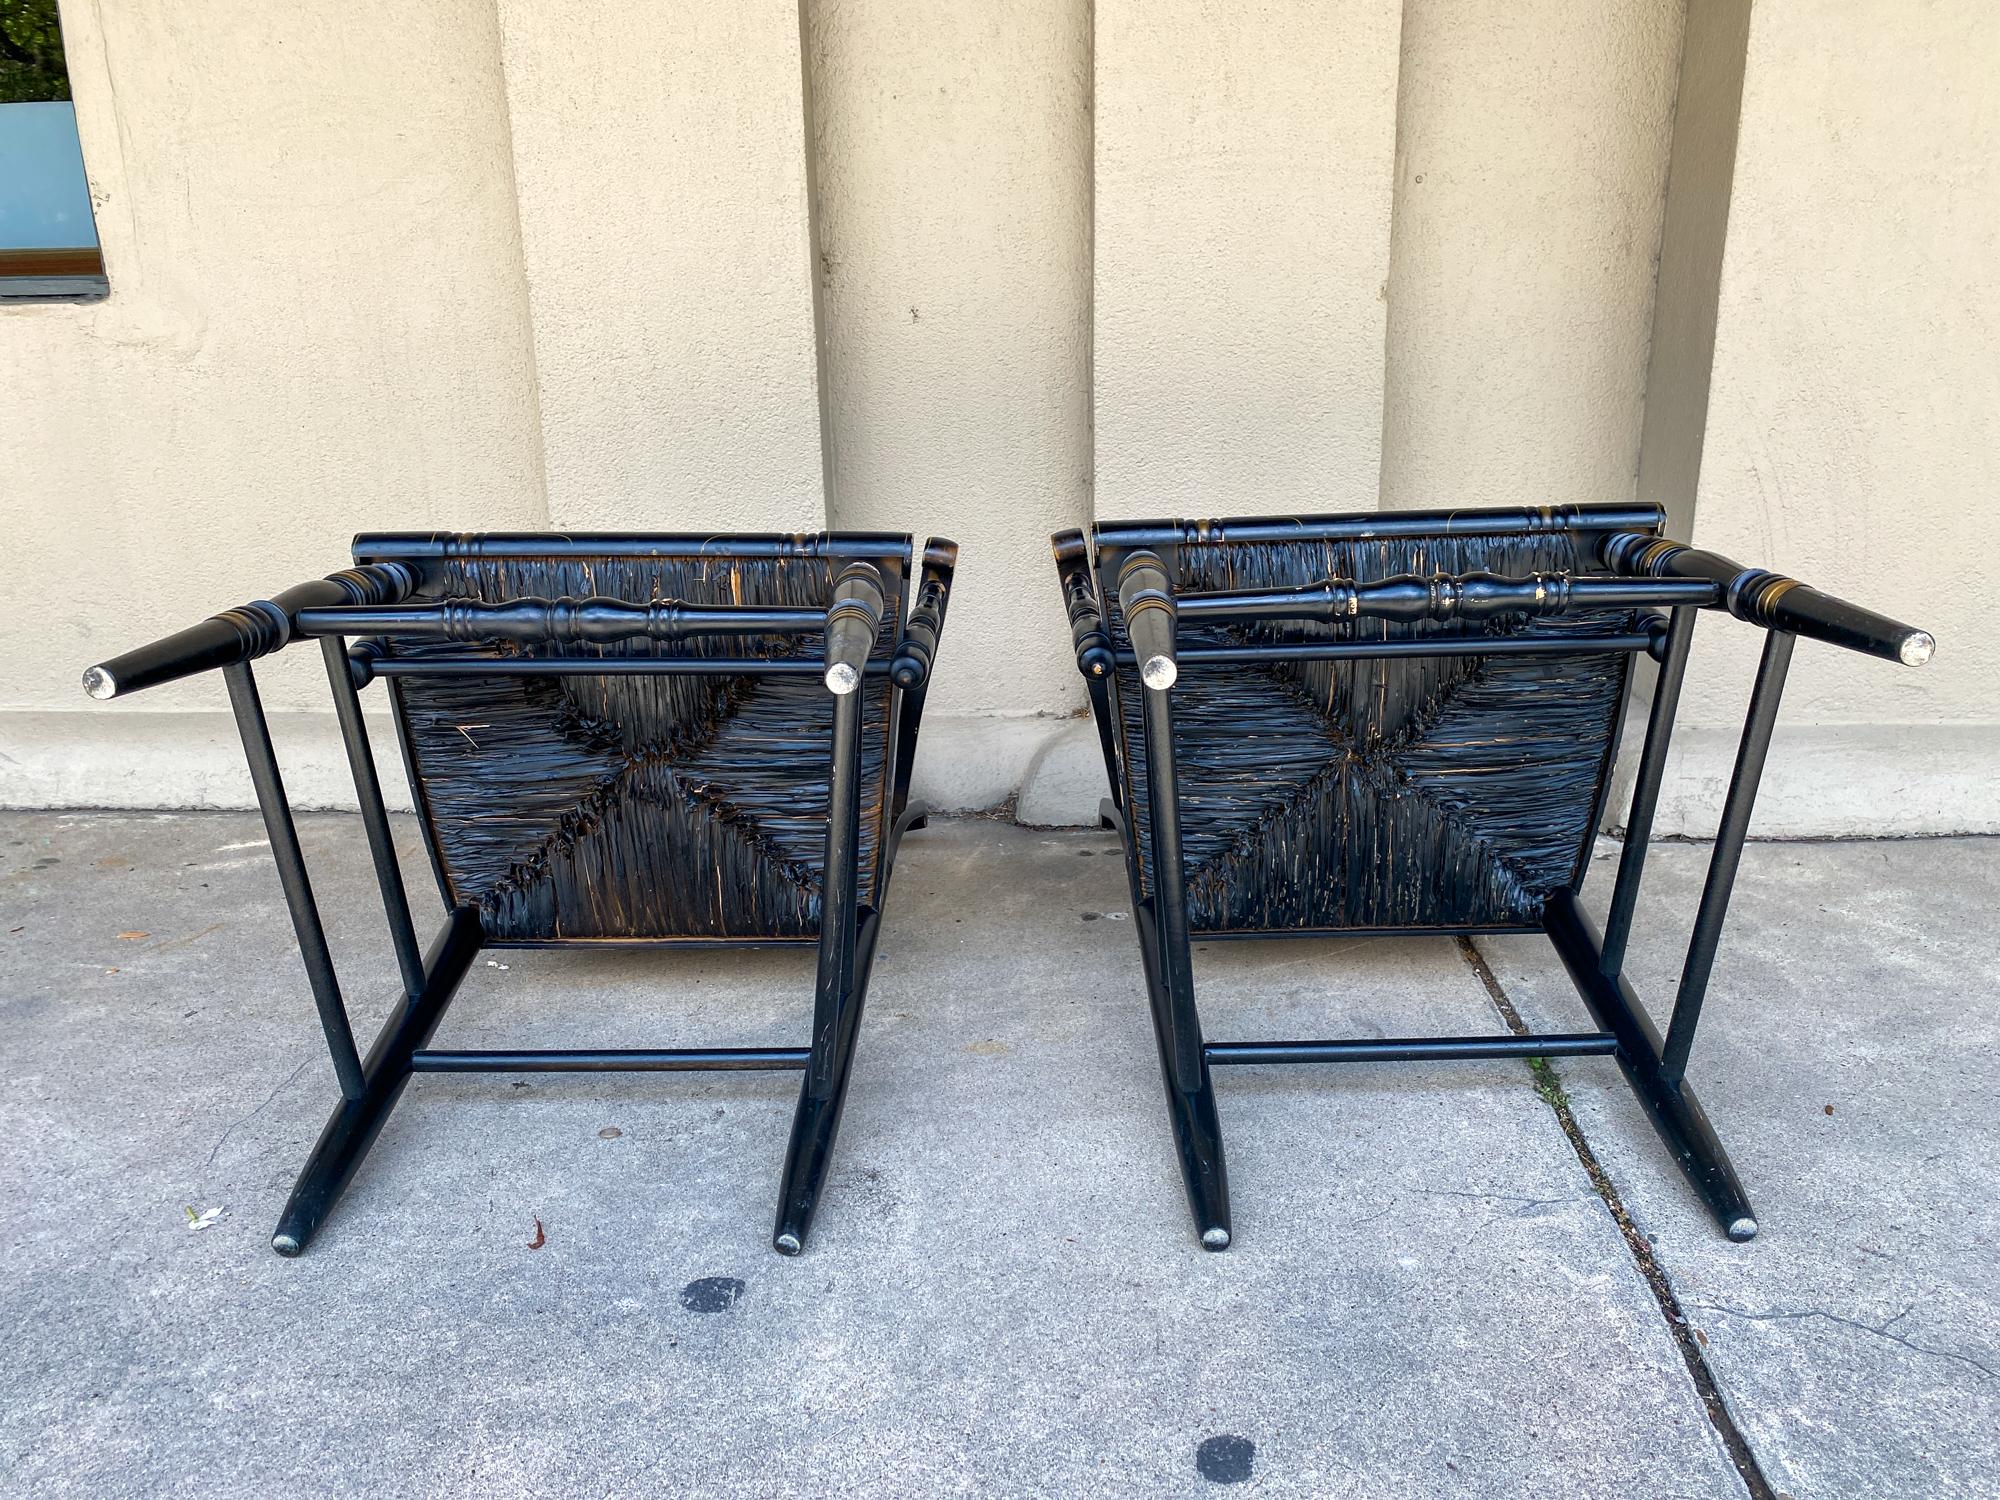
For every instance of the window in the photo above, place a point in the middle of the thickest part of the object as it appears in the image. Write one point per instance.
(48, 237)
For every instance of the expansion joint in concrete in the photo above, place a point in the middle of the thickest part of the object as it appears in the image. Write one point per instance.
(1549, 1088)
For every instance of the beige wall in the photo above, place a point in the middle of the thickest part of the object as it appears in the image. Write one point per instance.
(1700, 178)
(317, 325)
(1853, 422)
(660, 165)
(466, 263)
(1530, 173)
(1242, 253)
(953, 153)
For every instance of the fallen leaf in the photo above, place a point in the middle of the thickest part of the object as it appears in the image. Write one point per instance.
(133, 937)
(540, 1238)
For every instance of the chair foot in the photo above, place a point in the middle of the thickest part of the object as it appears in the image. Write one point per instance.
(813, 1130)
(817, 1120)
(1196, 1125)
(1672, 1107)
(1683, 1125)
(355, 1123)
(342, 1146)
(1198, 1144)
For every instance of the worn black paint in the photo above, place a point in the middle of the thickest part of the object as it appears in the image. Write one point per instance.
(599, 788)
(1404, 724)
(1770, 599)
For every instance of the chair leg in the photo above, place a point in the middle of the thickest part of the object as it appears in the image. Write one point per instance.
(915, 815)
(1190, 1111)
(847, 931)
(356, 1122)
(1669, 1103)
(817, 1120)
(1197, 1127)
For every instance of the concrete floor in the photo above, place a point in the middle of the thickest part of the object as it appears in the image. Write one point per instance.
(532, 1286)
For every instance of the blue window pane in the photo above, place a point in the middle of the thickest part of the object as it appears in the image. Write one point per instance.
(48, 236)
(44, 197)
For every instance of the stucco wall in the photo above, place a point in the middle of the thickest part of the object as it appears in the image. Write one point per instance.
(475, 263)
(660, 165)
(1853, 422)
(1701, 176)
(1242, 249)
(1530, 168)
(317, 326)
(952, 146)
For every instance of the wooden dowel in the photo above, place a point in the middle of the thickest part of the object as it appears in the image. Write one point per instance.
(1771, 599)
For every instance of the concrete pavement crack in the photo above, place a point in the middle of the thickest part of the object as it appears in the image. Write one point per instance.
(1879, 1330)
(246, 1119)
(1522, 1199)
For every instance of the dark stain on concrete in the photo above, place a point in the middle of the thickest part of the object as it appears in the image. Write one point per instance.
(712, 1294)
(1225, 1458)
